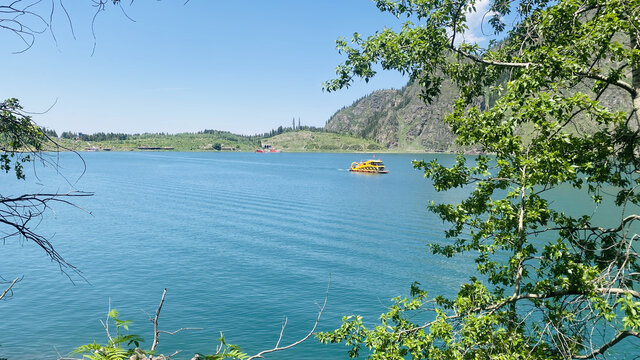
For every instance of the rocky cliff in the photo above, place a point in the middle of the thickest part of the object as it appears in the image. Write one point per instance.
(401, 120)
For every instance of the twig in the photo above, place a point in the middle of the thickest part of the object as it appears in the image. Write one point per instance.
(616, 339)
(177, 331)
(9, 288)
(156, 333)
(284, 325)
(277, 348)
(174, 354)
(105, 325)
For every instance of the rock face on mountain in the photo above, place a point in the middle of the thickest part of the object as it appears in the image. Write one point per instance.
(399, 119)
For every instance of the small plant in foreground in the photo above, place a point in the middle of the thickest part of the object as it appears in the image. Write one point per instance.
(113, 349)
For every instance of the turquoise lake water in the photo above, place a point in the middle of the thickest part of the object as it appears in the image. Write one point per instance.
(240, 241)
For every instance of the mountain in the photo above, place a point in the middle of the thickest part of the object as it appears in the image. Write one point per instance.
(399, 119)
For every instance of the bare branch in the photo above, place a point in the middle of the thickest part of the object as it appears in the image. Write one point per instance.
(621, 335)
(9, 288)
(156, 333)
(105, 324)
(284, 325)
(311, 332)
(18, 212)
(179, 330)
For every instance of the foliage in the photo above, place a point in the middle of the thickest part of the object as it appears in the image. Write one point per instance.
(20, 138)
(121, 345)
(21, 142)
(304, 140)
(550, 284)
(180, 142)
(113, 349)
(281, 130)
(225, 351)
(298, 140)
(99, 136)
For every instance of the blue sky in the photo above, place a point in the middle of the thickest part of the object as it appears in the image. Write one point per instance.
(243, 66)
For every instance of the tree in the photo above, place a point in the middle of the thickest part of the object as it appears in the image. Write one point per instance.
(22, 141)
(550, 285)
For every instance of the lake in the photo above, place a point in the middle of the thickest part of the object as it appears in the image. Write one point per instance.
(240, 241)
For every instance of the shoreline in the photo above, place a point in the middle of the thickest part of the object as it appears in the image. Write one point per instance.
(430, 152)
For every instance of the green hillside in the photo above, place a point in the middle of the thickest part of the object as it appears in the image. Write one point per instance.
(302, 141)
(288, 140)
(203, 141)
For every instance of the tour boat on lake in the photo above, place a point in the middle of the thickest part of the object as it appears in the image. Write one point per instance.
(374, 166)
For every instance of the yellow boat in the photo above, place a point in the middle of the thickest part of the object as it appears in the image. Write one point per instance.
(369, 166)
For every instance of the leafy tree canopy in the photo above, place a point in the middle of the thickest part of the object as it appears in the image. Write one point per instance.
(19, 137)
(550, 284)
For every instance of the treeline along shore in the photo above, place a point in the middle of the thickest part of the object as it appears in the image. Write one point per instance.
(305, 139)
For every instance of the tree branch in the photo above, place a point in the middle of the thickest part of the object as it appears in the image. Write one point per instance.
(621, 335)
(311, 332)
(622, 84)
(156, 333)
(492, 62)
(619, 291)
(9, 288)
(177, 331)
(623, 223)
(18, 212)
(619, 83)
(530, 296)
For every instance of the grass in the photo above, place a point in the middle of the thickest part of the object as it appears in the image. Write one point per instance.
(289, 141)
(179, 142)
(308, 141)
